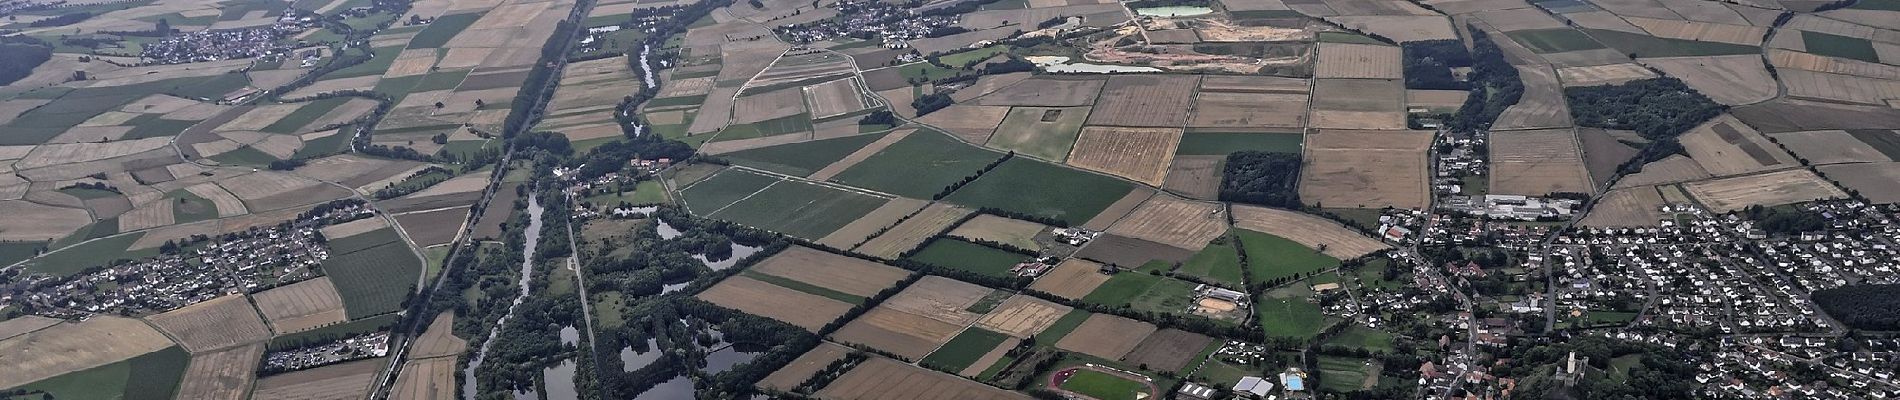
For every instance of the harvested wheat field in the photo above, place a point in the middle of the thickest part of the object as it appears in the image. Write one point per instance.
(1766, 189)
(834, 98)
(831, 271)
(1833, 65)
(1168, 350)
(1537, 163)
(1366, 169)
(1542, 105)
(1637, 206)
(804, 367)
(301, 306)
(913, 231)
(1878, 182)
(1106, 336)
(861, 229)
(1358, 104)
(1725, 146)
(1701, 31)
(939, 298)
(348, 380)
(353, 228)
(768, 105)
(1013, 232)
(1173, 221)
(262, 184)
(1023, 316)
(884, 379)
(31, 221)
(973, 124)
(1139, 154)
(755, 297)
(1248, 109)
(1847, 88)
(1830, 147)
(75, 346)
(426, 379)
(1046, 92)
(1101, 221)
(25, 324)
(1144, 100)
(1672, 169)
(213, 324)
(1197, 177)
(222, 375)
(907, 335)
(1609, 74)
(1352, 60)
(1072, 279)
(1306, 229)
(439, 340)
(151, 215)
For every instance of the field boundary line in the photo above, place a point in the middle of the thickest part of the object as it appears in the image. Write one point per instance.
(848, 188)
(749, 196)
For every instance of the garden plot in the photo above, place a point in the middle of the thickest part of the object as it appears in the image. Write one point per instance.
(1878, 182)
(1173, 221)
(1106, 336)
(913, 231)
(1144, 100)
(1830, 147)
(1367, 169)
(75, 346)
(834, 98)
(831, 271)
(213, 324)
(301, 306)
(1537, 163)
(1730, 80)
(1725, 146)
(1352, 60)
(1637, 206)
(756, 297)
(1022, 316)
(1766, 189)
(1139, 154)
(1046, 92)
(1542, 105)
(1308, 230)
(1610, 74)
(1358, 104)
(223, 375)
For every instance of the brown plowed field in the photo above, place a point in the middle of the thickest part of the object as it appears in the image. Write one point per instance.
(1144, 100)
(1537, 162)
(301, 306)
(222, 375)
(1196, 177)
(755, 297)
(831, 271)
(1168, 350)
(433, 227)
(213, 324)
(1023, 316)
(884, 379)
(1072, 279)
(1139, 154)
(1174, 221)
(1768, 189)
(913, 231)
(1306, 229)
(803, 367)
(1106, 336)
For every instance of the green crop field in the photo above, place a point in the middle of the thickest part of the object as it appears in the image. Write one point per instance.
(722, 189)
(191, 208)
(334, 143)
(920, 166)
(805, 287)
(12, 252)
(1361, 337)
(152, 376)
(1042, 189)
(444, 28)
(966, 58)
(1840, 46)
(964, 349)
(801, 158)
(1103, 386)
(1166, 295)
(1062, 326)
(1270, 257)
(384, 57)
(925, 71)
(150, 126)
(1284, 312)
(770, 127)
(294, 122)
(246, 155)
(1555, 40)
(1341, 374)
(966, 256)
(1219, 262)
(373, 280)
(1222, 143)
(1646, 46)
(71, 260)
(1122, 288)
(800, 209)
(1044, 132)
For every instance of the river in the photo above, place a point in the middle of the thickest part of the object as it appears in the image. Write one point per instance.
(531, 238)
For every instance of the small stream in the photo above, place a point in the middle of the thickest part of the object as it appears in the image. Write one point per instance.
(531, 237)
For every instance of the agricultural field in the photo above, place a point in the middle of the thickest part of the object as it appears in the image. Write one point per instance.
(830, 271)
(1765, 189)
(1042, 189)
(799, 208)
(1073, 279)
(884, 379)
(874, 223)
(213, 324)
(300, 306)
(1537, 163)
(1724, 146)
(1637, 206)
(1042, 132)
(1366, 169)
(1173, 221)
(920, 166)
(916, 321)
(344, 380)
(225, 374)
(1139, 154)
(1106, 336)
(1307, 230)
(969, 257)
(1168, 350)
(1358, 104)
(913, 231)
(1731, 80)
(1144, 101)
(72, 347)
(1347, 60)
(1875, 181)
(757, 297)
(374, 279)
(1011, 232)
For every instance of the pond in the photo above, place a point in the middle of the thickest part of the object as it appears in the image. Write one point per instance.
(1061, 64)
(634, 360)
(570, 336)
(560, 381)
(667, 231)
(679, 387)
(739, 252)
(733, 355)
(1173, 11)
